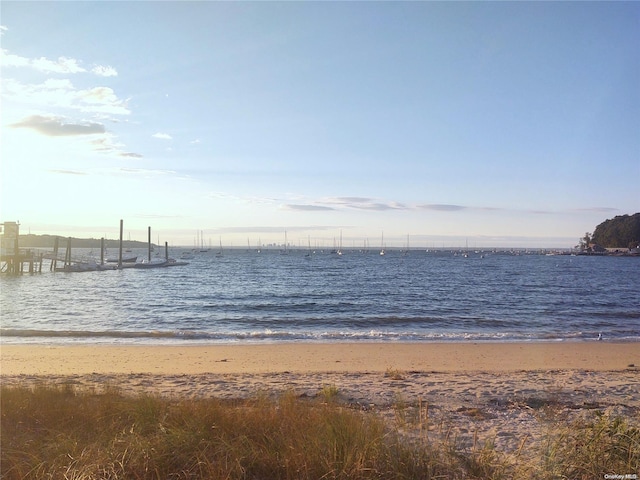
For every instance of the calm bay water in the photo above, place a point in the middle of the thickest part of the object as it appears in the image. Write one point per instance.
(243, 297)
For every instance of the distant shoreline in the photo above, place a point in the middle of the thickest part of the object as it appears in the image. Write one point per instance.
(40, 242)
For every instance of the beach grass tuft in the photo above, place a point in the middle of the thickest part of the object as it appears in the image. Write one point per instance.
(591, 448)
(64, 432)
(330, 393)
(394, 374)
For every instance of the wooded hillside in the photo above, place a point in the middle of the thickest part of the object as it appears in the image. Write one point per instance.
(620, 231)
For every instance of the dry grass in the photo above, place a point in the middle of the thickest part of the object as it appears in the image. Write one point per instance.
(64, 433)
(592, 448)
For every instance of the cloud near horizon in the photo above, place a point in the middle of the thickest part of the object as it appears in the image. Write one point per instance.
(341, 203)
(440, 207)
(307, 208)
(372, 204)
(145, 171)
(67, 172)
(362, 203)
(598, 209)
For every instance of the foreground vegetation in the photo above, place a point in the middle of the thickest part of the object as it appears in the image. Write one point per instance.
(65, 433)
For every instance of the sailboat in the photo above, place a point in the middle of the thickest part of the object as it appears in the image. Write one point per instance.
(406, 252)
(203, 249)
(309, 251)
(219, 252)
(382, 245)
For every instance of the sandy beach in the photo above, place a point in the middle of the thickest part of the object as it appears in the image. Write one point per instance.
(495, 391)
(303, 358)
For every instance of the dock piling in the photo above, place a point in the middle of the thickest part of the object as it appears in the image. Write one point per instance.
(120, 252)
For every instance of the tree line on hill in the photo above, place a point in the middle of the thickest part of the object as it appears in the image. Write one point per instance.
(622, 231)
(47, 241)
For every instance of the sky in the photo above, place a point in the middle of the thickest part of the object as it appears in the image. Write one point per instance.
(487, 124)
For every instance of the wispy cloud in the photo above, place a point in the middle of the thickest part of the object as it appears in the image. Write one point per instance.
(442, 207)
(307, 208)
(67, 172)
(598, 210)
(349, 200)
(62, 65)
(56, 126)
(344, 203)
(104, 71)
(108, 144)
(297, 203)
(162, 136)
(61, 93)
(379, 207)
(143, 172)
(362, 203)
(98, 139)
(368, 204)
(101, 100)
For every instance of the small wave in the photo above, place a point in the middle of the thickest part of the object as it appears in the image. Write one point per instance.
(83, 334)
(268, 335)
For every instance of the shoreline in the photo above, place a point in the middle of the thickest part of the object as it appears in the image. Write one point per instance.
(301, 357)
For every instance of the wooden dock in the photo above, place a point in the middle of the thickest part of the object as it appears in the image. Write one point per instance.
(21, 262)
(14, 260)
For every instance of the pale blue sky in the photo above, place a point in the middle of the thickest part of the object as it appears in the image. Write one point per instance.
(500, 124)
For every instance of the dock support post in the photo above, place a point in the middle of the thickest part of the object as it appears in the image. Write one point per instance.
(67, 256)
(54, 260)
(120, 251)
(102, 251)
(16, 256)
(166, 251)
